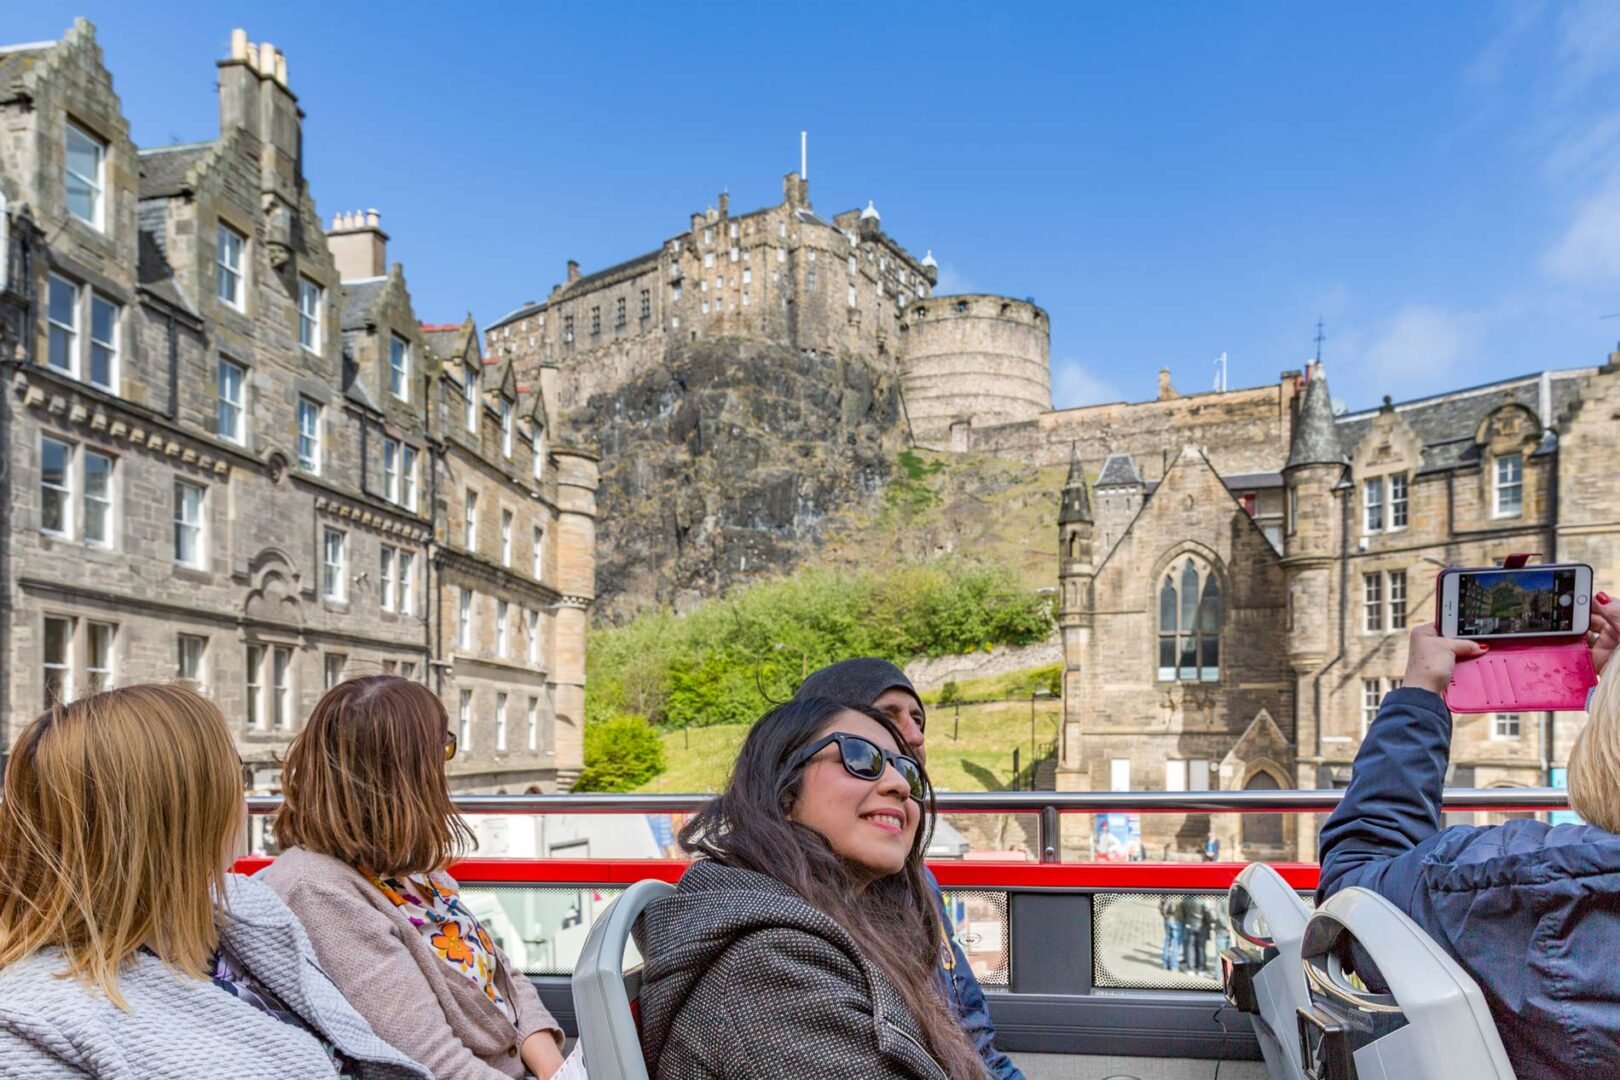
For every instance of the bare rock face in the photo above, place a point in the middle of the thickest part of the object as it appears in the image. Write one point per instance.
(728, 462)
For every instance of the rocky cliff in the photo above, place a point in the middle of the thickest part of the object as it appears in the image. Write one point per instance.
(730, 461)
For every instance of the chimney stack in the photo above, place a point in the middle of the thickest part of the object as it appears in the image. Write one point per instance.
(359, 246)
(573, 271)
(254, 96)
(1166, 391)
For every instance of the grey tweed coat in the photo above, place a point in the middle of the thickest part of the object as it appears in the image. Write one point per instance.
(178, 1027)
(743, 980)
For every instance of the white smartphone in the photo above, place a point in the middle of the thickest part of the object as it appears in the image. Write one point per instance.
(1551, 600)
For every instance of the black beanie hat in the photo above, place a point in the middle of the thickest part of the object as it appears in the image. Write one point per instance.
(860, 681)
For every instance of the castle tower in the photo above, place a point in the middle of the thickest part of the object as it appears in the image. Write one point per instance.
(1076, 571)
(1314, 534)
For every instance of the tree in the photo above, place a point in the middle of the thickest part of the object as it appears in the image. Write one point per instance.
(622, 752)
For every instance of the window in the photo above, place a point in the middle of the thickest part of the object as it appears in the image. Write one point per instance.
(501, 621)
(500, 723)
(539, 452)
(708, 260)
(407, 669)
(103, 344)
(310, 297)
(506, 538)
(309, 436)
(391, 470)
(407, 583)
(85, 179)
(568, 328)
(852, 266)
(469, 385)
(810, 278)
(1373, 505)
(506, 428)
(228, 245)
(1372, 597)
(464, 619)
(748, 275)
(385, 576)
(646, 303)
(735, 254)
(62, 314)
(675, 293)
(469, 536)
(539, 553)
(852, 296)
(1189, 625)
(1509, 501)
(1187, 775)
(596, 319)
(190, 651)
(281, 685)
(332, 669)
(228, 420)
(464, 719)
(55, 487)
(188, 524)
(98, 472)
(1397, 599)
(533, 619)
(98, 657)
(1397, 501)
(1119, 774)
(57, 664)
(1371, 699)
(407, 471)
(255, 686)
(1293, 510)
(618, 314)
(334, 565)
(1506, 726)
(534, 724)
(399, 367)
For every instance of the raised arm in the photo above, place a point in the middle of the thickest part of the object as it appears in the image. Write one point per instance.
(1391, 813)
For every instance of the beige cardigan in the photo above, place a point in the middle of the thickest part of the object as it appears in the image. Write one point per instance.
(391, 975)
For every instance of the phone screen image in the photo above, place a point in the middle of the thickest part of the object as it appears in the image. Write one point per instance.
(1529, 601)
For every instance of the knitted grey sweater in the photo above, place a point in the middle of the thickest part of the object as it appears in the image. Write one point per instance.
(188, 1028)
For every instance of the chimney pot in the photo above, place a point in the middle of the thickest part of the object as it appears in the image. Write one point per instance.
(281, 68)
(239, 44)
(371, 219)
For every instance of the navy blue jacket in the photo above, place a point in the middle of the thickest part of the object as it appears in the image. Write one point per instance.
(1531, 911)
(966, 997)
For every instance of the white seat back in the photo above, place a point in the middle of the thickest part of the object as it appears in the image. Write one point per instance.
(1433, 1024)
(607, 1027)
(1266, 912)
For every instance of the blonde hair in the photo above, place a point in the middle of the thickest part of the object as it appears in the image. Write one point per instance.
(364, 782)
(115, 827)
(1594, 761)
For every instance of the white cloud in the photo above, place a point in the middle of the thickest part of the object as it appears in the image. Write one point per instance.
(952, 282)
(1414, 351)
(1073, 385)
(1588, 253)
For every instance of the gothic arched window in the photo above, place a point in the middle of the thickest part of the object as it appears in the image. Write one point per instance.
(1189, 625)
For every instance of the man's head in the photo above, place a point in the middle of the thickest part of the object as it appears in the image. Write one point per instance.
(866, 680)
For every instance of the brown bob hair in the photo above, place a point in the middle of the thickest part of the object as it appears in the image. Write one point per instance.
(364, 781)
(121, 813)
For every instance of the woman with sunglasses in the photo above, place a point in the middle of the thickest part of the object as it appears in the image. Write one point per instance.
(801, 943)
(369, 829)
(870, 680)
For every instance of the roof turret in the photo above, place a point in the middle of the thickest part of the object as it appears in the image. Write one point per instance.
(1316, 436)
(1076, 498)
(928, 259)
(870, 212)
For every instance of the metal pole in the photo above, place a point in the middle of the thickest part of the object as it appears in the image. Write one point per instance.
(1049, 834)
(1017, 780)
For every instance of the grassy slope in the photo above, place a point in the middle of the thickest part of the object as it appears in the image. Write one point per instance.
(980, 759)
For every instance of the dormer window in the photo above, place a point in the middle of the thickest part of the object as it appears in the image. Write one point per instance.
(86, 176)
(228, 247)
(470, 386)
(399, 367)
(506, 428)
(1509, 487)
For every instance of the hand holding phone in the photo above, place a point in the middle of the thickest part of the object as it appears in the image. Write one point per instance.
(1430, 658)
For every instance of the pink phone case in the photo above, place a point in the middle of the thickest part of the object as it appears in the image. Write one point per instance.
(1524, 676)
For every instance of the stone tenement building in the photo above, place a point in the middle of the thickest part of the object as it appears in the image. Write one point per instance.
(785, 275)
(1238, 572)
(234, 457)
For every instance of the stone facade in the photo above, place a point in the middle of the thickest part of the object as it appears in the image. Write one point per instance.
(785, 276)
(232, 450)
(1233, 619)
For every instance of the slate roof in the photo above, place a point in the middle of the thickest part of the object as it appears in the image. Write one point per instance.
(359, 297)
(521, 313)
(156, 274)
(628, 268)
(1316, 438)
(15, 64)
(1446, 423)
(163, 170)
(1253, 481)
(442, 343)
(1119, 470)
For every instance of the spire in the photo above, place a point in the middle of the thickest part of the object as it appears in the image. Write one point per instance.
(1316, 436)
(1076, 498)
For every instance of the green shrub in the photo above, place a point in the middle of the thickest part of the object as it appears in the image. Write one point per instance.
(950, 692)
(622, 752)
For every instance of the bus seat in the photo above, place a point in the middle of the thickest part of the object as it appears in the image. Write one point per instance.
(1268, 914)
(1432, 1024)
(603, 991)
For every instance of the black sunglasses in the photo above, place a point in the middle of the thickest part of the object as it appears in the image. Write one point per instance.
(864, 760)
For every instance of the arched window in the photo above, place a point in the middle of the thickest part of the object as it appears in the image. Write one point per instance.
(1189, 625)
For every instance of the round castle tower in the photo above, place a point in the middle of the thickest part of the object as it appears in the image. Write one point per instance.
(973, 361)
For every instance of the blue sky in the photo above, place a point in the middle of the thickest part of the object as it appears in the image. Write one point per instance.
(1439, 182)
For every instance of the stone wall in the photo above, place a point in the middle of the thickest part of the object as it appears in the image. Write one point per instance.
(977, 360)
(932, 672)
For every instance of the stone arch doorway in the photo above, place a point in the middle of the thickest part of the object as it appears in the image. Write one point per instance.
(1262, 831)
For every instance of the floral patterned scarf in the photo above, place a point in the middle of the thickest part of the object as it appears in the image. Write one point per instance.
(433, 904)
